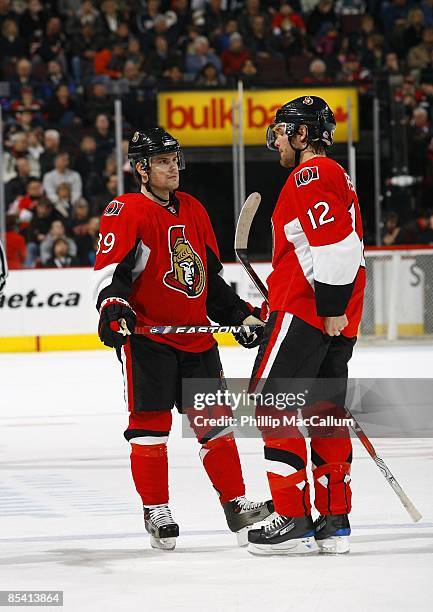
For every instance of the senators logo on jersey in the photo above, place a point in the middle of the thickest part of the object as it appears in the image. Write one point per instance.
(187, 272)
(113, 209)
(306, 175)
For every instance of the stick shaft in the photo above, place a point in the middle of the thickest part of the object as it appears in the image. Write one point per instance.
(193, 329)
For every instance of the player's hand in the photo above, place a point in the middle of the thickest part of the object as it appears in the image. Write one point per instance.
(116, 322)
(253, 338)
(335, 325)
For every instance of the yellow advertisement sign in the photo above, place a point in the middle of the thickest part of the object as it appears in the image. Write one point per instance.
(203, 119)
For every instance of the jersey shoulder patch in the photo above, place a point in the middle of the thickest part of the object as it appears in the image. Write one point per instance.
(306, 175)
(113, 208)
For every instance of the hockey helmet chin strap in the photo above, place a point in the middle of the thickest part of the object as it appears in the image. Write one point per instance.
(162, 200)
(298, 152)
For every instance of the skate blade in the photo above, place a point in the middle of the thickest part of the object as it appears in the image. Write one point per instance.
(336, 545)
(163, 543)
(301, 546)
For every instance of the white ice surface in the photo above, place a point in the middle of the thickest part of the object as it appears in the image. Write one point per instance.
(70, 518)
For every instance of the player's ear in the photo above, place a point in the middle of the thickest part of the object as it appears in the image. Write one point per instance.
(303, 133)
(142, 171)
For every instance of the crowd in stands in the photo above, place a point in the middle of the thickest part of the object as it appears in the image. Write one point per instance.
(65, 61)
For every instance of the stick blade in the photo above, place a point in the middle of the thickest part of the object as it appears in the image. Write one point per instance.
(245, 220)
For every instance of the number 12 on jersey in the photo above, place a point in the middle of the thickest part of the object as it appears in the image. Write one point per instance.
(322, 217)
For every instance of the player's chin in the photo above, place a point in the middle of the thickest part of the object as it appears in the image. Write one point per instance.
(286, 162)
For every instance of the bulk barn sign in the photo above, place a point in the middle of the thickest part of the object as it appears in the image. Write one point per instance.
(200, 119)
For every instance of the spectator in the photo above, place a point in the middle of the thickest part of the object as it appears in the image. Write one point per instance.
(111, 17)
(53, 43)
(391, 229)
(84, 46)
(317, 73)
(22, 207)
(87, 242)
(99, 101)
(51, 149)
(393, 11)
(173, 77)
(249, 73)
(161, 57)
(261, 41)
(427, 9)
(426, 236)
(287, 18)
(23, 79)
(104, 137)
(62, 174)
(54, 79)
(57, 230)
(109, 61)
(419, 137)
(63, 204)
(79, 218)
(19, 150)
(209, 77)
(60, 109)
(419, 56)
(89, 166)
(413, 32)
(61, 257)
(15, 245)
(199, 55)
(234, 57)
(100, 201)
(43, 217)
(12, 46)
(32, 22)
(321, 18)
(18, 185)
(246, 19)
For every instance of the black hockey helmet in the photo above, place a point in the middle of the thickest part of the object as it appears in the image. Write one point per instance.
(311, 111)
(154, 141)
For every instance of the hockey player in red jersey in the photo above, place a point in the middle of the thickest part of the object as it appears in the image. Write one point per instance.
(157, 263)
(315, 301)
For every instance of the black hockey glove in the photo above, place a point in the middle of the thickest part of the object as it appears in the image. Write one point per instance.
(253, 338)
(116, 322)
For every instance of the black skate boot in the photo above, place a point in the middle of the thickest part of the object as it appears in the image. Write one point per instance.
(242, 514)
(161, 527)
(284, 535)
(332, 533)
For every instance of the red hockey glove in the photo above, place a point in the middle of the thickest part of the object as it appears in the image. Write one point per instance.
(116, 322)
(253, 338)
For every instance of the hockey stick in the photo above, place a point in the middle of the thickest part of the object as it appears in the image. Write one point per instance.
(245, 220)
(194, 329)
(243, 227)
(122, 328)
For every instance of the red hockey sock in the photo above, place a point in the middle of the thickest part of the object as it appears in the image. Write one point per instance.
(286, 470)
(147, 432)
(332, 458)
(221, 461)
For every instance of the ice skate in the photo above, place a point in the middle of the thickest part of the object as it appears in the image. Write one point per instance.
(332, 534)
(284, 535)
(162, 529)
(242, 515)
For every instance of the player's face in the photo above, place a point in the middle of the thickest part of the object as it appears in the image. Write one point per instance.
(281, 143)
(165, 171)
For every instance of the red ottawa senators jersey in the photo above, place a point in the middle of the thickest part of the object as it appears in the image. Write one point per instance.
(318, 257)
(164, 261)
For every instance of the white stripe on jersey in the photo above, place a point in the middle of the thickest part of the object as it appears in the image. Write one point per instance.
(296, 235)
(338, 263)
(3, 267)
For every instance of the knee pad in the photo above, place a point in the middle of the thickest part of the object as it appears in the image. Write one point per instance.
(148, 428)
